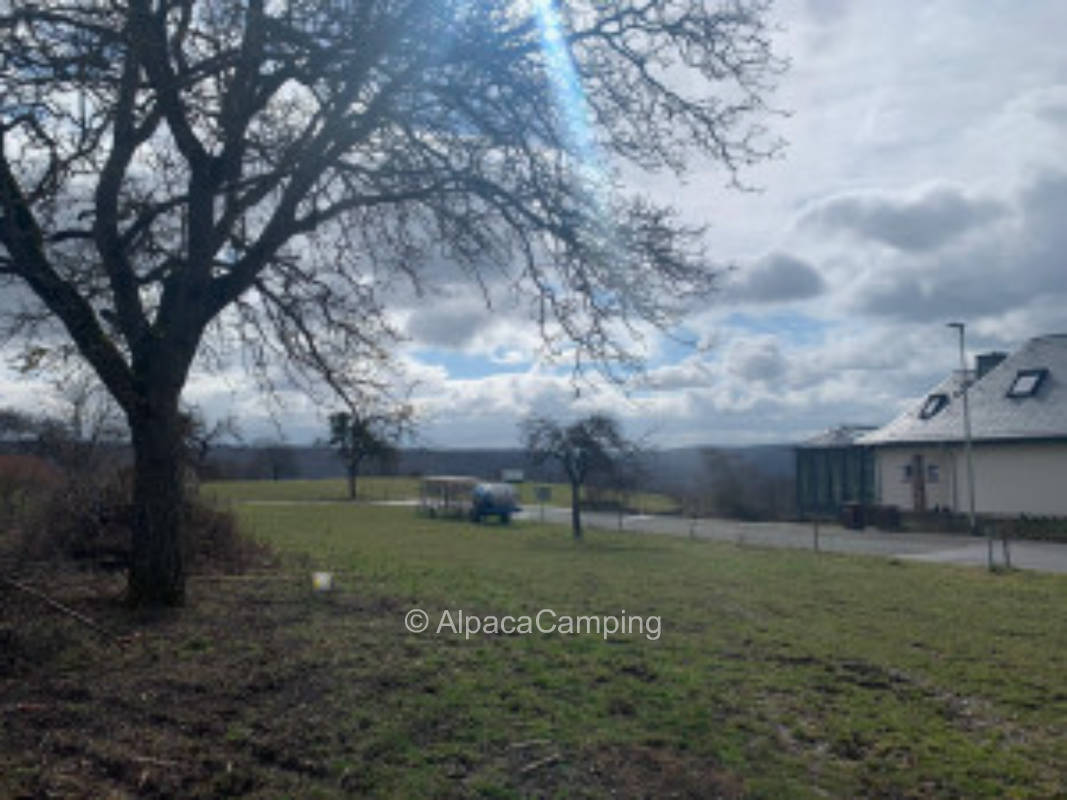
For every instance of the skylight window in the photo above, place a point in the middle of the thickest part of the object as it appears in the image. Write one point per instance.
(934, 403)
(1027, 382)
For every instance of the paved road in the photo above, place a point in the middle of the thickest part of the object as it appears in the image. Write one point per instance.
(939, 547)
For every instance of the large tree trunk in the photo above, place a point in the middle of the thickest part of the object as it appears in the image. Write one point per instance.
(351, 482)
(157, 565)
(576, 510)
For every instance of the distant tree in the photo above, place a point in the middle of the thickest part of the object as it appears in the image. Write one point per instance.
(359, 436)
(79, 430)
(734, 487)
(617, 483)
(275, 460)
(591, 445)
(179, 178)
(92, 414)
(88, 424)
(201, 437)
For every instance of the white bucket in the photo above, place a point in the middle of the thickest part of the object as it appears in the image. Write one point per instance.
(322, 581)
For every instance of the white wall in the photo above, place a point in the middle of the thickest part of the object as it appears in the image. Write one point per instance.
(1009, 478)
(894, 489)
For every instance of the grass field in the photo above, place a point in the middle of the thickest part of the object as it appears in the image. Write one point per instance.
(377, 488)
(776, 674)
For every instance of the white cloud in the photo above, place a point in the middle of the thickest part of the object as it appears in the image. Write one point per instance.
(925, 221)
(756, 359)
(776, 278)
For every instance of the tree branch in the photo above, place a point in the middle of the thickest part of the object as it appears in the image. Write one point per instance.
(21, 236)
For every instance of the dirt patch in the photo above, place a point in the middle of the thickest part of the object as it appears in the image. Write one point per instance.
(639, 771)
(260, 688)
(207, 702)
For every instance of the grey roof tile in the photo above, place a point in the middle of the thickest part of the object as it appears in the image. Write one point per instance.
(994, 415)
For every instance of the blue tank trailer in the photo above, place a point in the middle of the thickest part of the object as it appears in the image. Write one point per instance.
(493, 499)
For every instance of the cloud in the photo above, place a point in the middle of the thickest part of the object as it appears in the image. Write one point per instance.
(453, 323)
(999, 269)
(827, 11)
(757, 359)
(1054, 112)
(457, 318)
(1047, 104)
(924, 222)
(923, 182)
(686, 374)
(777, 278)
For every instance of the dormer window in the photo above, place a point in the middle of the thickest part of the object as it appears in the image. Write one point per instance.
(1027, 382)
(934, 403)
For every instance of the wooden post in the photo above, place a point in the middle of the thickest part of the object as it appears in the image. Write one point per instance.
(815, 534)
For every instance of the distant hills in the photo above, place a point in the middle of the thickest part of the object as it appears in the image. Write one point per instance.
(674, 467)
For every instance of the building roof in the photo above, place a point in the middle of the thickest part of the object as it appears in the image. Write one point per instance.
(1023, 397)
(841, 436)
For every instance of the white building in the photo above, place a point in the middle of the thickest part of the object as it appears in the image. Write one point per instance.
(1018, 410)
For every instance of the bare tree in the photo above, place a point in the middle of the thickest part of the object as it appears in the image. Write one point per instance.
(82, 428)
(358, 436)
(180, 179)
(201, 437)
(591, 445)
(620, 479)
(90, 424)
(732, 486)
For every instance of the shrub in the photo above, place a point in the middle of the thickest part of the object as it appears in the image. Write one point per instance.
(216, 544)
(89, 521)
(24, 481)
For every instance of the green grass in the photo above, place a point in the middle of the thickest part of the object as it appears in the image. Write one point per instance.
(377, 488)
(776, 674)
(369, 488)
(792, 674)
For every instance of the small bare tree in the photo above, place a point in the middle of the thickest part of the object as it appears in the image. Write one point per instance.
(201, 437)
(593, 444)
(360, 436)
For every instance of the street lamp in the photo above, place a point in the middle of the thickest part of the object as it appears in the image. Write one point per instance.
(967, 439)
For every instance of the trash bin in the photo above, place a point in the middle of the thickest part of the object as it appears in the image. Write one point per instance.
(852, 516)
(886, 518)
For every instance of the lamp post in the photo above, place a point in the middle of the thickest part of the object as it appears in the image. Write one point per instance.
(967, 442)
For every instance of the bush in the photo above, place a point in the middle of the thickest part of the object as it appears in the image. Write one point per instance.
(1024, 526)
(90, 521)
(85, 519)
(25, 482)
(215, 542)
(731, 486)
(940, 520)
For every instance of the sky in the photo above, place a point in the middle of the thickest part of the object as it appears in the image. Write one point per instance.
(924, 181)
